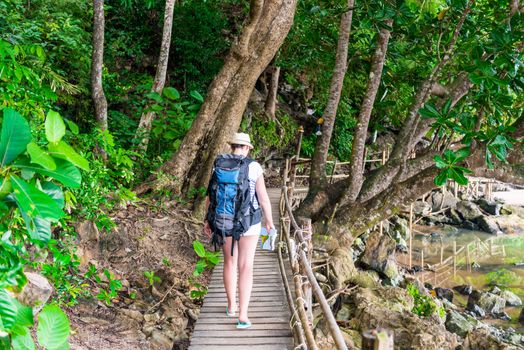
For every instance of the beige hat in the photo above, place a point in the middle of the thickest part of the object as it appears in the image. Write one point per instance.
(241, 138)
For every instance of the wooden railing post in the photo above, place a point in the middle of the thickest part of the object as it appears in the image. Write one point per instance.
(454, 258)
(378, 339)
(305, 224)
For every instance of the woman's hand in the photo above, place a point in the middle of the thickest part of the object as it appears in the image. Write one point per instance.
(207, 230)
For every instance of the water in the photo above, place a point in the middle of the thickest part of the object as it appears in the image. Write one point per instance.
(499, 268)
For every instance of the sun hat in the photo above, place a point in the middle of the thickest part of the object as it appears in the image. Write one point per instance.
(241, 138)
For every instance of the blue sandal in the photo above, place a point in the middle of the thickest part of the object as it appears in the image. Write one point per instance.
(229, 314)
(243, 325)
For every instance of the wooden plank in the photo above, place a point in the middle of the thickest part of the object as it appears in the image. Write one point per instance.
(246, 340)
(254, 320)
(252, 314)
(243, 347)
(241, 333)
(227, 326)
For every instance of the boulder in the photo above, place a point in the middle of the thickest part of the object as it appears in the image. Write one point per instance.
(399, 228)
(464, 289)
(344, 313)
(455, 216)
(456, 323)
(380, 256)
(489, 302)
(36, 292)
(444, 293)
(367, 279)
(495, 290)
(482, 339)
(490, 207)
(486, 224)
(469, 225)
(510, 224)
(343, 266)
(439, 200)
(390, 308)
(468, 210)
(503, 316)
(421, 208)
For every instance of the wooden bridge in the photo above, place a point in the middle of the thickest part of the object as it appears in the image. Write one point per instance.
(268, 309)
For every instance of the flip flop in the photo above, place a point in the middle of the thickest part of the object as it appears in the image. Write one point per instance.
(243, 325)
(229, 314)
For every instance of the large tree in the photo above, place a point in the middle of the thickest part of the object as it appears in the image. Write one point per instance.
(475, 70)
(144, 126)
(99, 98)
(221, 113)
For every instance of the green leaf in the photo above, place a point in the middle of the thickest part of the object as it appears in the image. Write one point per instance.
(154, 96)
(196, 95)
(441, 178)
(5, 187)
(199, 267)
(199, 248)
(39, 229)
(458, 176)
(54, 192)
(35, 202)
(428, 111)
(24, 315)
(40, 157)
(65, 172)
(440, 163)
(15, 136)
(64, 151)
(8, 308)
(171, 93)
(53, 328)
(54, 127)
(462, 153)
(447, 107)
(22, 339)
(72, 126)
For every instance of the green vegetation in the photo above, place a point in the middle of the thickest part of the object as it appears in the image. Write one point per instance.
(207, 260)
(501, 278)
(424, 305)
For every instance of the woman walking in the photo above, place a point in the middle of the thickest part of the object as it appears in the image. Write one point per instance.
(238, 237)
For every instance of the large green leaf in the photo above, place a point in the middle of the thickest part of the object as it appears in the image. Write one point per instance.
(65, 172)
(64, 151)
(39, 229)
(15, 136)
(53, 328)
(54, 192)
(40, 157)
(5, 187)
(8, 310)
(54, 127)
(199, 248)
(24, 315)
(22, 339)
(35, 202)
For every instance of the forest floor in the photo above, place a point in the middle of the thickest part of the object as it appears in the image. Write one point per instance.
(149, 237)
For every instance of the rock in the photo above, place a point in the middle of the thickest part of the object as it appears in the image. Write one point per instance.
(464, 289)
(366, 279)
(380, 256)
(152, 318)
(87, 231)
(36, 292)
(486, 224)
(400, 227)
(468, 225)
(192, 314)
(132, 314)
(455, 217)
(440, 201)
(320, 277)
(489, 302)
(344, 313)
(510, 224)
(503, 316)
(457, 324)
(421, 208)
(468, 210)
(343, 266)
(490, 207)
(387, 308)
(495, 290)
(481, 339)
(444, 293)
(160, 341)
(477, 311)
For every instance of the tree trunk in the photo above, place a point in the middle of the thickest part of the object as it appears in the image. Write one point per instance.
(221, 113)
(271, 100)
(99, 98)
(318, 163)
(144, 126)
(356, 175)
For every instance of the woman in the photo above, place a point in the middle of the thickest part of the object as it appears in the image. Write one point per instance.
(243, 253)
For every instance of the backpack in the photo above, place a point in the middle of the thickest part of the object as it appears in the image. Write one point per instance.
(230, 212)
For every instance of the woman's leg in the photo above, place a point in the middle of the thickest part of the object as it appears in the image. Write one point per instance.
(246, 256)
(230, 273)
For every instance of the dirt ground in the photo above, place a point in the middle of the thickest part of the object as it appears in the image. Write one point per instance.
(152, 237)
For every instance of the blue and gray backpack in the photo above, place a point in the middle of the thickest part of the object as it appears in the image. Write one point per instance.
(231, 211)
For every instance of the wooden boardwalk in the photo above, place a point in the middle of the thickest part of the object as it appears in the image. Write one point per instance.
(268, 309)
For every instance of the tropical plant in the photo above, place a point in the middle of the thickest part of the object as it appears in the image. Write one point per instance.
(207, 260)
(423, 305)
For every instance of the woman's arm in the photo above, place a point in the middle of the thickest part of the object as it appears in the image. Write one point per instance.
(265, 203)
